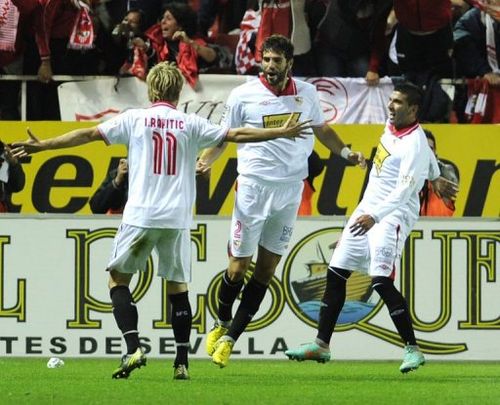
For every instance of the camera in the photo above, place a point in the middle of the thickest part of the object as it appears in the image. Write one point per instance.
(123, 33)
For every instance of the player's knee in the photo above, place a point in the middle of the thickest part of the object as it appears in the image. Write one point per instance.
(176, 288)
(388, 292)
(237, 268)
(336, 277)
(116, 279)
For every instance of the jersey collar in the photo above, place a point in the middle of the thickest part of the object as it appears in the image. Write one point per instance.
(400, 133)
(164, 103)
(289, 90)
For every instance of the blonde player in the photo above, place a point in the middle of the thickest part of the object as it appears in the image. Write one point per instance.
(163, 144)
(270, 185)
(375, 234)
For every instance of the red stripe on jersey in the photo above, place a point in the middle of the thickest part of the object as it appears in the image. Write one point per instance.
(172, 154)
(157, 152)
(392, 276)
(289, 90)
(400, 133)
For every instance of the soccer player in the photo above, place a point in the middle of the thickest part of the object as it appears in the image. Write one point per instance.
(269, 185)
(163, 144)
(375, 234)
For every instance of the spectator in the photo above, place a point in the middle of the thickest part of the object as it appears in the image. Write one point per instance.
(314, 166)
(132, 26)
(172, 40)
(151, 8)
(22, 19)
(458, 9)
(350, 38)
(221, 16)
(12, 178)
(59, 20)
(433, 203)
(111, 196)
(477, 44)
(424, 40)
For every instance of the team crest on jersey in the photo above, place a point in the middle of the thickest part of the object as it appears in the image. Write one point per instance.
(278, 120)
(380, 156)
(299, 100)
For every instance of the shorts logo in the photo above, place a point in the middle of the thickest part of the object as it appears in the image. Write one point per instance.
(286, 233)
(237, 230)
(383, 252)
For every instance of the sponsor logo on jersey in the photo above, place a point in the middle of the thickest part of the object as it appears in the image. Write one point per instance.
(278, 120)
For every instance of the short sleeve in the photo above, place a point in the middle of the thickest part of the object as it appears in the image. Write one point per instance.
(206, 133)
(231, 117)
(116, 129)
(317, 117)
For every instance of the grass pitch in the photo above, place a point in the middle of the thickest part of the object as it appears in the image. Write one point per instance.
(88, 381)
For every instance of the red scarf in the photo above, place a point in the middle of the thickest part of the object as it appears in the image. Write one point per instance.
(9, 17)
(276, 16)
(82, 35)
(187, 59)
(139, 64)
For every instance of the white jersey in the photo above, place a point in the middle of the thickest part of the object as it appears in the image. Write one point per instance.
(254, 104)
(163, 145)
(402, 163)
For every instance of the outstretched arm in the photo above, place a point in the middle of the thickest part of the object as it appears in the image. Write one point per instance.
(328, 137)
(290, 129)
(73, 138)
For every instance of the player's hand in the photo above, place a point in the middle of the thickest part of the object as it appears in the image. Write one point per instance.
(362, 225)
(445, 189)
(357, 158)
(296, 129)
(202, 168)
(31, 145)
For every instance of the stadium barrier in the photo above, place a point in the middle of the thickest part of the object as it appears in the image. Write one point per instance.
(54, 299)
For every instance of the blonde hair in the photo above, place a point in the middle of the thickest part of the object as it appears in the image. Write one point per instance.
(165, 82)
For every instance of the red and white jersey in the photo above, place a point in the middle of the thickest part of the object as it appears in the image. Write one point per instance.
(254, 104)
(402, 163)
(163, 145)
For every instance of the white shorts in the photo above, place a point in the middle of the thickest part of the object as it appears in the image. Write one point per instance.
(374, 253)
(133, 245)
(264, 214)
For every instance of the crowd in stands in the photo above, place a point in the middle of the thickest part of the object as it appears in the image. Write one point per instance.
(422, 40)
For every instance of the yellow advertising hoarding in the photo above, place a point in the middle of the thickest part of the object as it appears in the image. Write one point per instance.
(64, 180)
